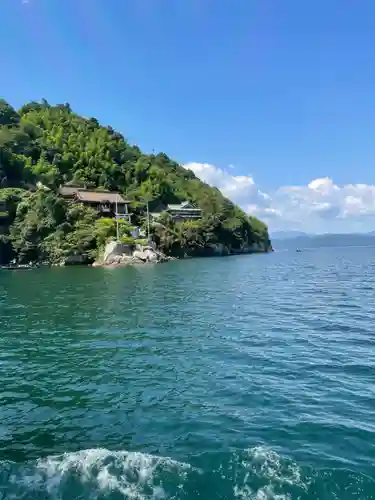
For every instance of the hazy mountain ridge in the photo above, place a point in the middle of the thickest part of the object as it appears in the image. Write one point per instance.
(285, 235)
(325, 240)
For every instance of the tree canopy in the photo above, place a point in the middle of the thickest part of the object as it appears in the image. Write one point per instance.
(53, 145)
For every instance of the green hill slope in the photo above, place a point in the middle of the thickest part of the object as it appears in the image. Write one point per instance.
(53, 145)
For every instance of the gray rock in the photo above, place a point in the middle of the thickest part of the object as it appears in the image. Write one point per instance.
(117, 254)
(146, 255)
(112, 249)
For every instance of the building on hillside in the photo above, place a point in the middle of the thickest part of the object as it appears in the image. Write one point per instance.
(179, 212)
(106, 203)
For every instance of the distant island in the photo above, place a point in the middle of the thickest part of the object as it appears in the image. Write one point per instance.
(68, 186)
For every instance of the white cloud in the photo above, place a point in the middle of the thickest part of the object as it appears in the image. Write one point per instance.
(319, 206)
(323, 203)
(323, 186)
(239, 188)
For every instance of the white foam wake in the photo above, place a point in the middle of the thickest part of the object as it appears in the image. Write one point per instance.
(95, 473)
(266, 476)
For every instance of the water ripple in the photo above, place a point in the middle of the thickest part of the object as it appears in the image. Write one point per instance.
(257, 371)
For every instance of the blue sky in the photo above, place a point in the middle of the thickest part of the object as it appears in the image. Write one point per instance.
(258, 97)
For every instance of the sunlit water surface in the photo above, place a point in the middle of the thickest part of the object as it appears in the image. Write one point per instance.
(249, 377)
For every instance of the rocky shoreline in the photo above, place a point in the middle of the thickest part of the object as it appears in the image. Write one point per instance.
(117, 254)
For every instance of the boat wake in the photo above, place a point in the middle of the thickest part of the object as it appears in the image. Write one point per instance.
(98, 474)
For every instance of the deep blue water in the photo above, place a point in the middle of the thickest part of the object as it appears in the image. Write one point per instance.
(249, 377)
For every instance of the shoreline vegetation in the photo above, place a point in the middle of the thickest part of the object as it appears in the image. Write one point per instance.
(44, 147)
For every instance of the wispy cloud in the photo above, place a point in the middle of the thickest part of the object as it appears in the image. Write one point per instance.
(321, 204)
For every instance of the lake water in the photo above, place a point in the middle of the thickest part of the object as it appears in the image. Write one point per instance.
(249, 377)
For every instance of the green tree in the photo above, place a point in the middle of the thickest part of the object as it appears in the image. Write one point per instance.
(8, 115)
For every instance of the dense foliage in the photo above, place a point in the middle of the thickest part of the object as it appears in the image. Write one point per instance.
(46, 146)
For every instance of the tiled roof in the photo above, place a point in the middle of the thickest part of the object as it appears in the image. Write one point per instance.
(182, 206)
(99, 196)
(68, 190)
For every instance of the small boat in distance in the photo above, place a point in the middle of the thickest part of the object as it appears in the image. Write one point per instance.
(298, 250)
(13, 266)
(18, 267)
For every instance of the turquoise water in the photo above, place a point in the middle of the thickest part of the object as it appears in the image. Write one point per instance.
(249, 377)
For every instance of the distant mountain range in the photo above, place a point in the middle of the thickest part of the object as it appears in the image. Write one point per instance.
(296, 239)
(284, 235)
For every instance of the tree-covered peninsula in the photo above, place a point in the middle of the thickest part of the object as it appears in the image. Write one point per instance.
(43, 147)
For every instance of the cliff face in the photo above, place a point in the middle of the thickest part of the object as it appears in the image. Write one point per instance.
(52, 145)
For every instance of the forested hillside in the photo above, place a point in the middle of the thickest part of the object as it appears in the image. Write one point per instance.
(52, 145)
